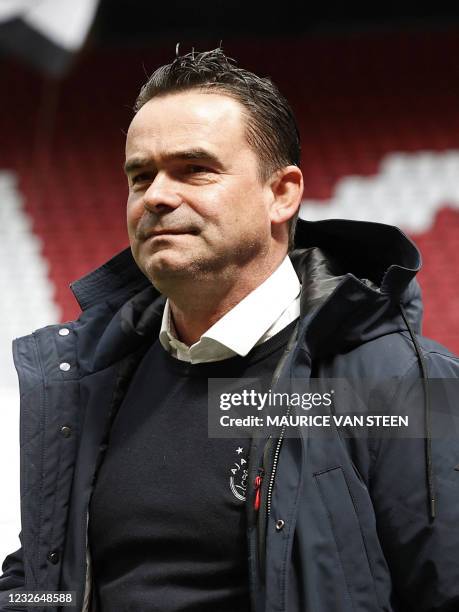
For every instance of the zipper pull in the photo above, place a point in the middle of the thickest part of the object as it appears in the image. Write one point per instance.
(258, 481)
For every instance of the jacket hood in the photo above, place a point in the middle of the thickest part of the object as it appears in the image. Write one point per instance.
(354, 277)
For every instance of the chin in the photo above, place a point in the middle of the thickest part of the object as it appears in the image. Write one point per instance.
(163, 267)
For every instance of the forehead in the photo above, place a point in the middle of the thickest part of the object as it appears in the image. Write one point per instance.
(192, 118)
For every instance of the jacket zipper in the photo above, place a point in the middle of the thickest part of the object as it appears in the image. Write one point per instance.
(274, 468)
(275, 380)
(265, 510)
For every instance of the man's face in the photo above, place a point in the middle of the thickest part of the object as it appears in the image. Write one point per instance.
(196, 203)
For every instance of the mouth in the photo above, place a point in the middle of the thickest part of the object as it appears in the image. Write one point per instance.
(167, 232)
(166, 235)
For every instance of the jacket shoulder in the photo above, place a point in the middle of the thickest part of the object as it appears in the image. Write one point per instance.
(430, 346)
(392, 355)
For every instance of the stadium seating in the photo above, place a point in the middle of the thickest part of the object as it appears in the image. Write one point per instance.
(359, 100)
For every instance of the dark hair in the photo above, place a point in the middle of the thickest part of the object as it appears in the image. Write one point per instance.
(271, 128)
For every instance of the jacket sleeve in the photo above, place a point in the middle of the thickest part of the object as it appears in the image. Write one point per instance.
(12, 580)
(422, 552)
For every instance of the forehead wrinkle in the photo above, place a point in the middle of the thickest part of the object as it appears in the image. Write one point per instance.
(151, 130)
(186, 154)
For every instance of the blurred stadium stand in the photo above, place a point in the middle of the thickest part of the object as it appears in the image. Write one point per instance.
(370, 102)
(359, 98)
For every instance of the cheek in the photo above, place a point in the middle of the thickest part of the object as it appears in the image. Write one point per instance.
(251, 207)
(133, 214)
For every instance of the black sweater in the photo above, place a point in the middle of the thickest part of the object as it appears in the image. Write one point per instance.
(167, 531)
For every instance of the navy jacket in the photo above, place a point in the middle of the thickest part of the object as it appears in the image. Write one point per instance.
(346, 524)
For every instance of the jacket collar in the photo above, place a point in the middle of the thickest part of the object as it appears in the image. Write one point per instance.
(354, 275)
(380, 253)
(115, 281)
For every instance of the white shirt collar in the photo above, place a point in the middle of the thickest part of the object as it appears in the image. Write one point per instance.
(262, 313)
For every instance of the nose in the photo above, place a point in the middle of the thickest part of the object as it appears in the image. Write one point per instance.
(161, 195)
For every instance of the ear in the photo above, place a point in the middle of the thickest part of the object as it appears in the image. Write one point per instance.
(287, 188)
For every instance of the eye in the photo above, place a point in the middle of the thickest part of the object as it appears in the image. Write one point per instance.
(195, 169)
(141, 177)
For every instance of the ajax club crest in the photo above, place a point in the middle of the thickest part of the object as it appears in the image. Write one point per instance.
(238, 476)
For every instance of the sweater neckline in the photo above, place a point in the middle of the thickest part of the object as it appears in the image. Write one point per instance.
(224, 367)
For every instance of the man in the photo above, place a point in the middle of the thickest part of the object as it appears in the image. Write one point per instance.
(125, 498)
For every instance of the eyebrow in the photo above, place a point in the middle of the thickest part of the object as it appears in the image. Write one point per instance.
(185, 155)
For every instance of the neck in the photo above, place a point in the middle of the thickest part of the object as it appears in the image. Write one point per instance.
(195, 309)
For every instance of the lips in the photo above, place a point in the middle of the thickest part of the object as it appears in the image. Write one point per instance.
(167, 232)
(148, 231)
